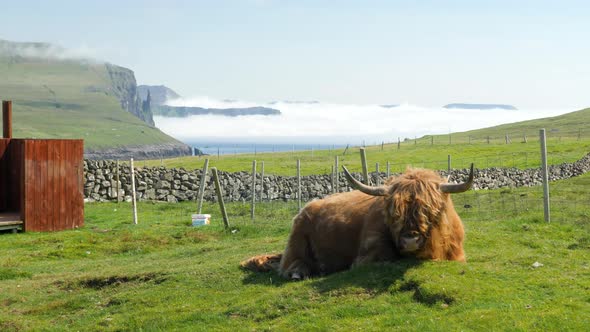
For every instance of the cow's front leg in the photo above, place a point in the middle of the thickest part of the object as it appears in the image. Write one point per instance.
(298, 258)
(375, 247)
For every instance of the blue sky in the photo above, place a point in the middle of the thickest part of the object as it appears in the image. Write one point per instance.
(532, 54)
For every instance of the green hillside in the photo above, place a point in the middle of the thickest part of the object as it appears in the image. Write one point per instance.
(571, 125)
(57, 98)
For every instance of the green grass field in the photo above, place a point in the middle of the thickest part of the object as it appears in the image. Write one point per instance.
(164, 274)
(418, 155)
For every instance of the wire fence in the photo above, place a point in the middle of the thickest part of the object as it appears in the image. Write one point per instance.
(507, 136)
(568, 198)
(569, 201)
(490, 137)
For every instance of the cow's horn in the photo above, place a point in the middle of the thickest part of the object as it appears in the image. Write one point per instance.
(453, 188)
(373, 191)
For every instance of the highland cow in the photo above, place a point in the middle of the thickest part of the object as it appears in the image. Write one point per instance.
(410, 215)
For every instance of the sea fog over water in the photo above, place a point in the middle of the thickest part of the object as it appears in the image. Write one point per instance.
(303, 125)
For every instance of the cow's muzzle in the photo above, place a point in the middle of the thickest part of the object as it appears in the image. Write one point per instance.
(411, 242)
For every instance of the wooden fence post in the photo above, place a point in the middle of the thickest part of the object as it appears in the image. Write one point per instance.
(299, 184)
(364, 164)
(118, 183)
(388, 170)
(398, 143)
(253, 189)
(261, 196)
(202, 186)
(220, 197)
(336, 179)
(377, 175)
(7, 119)
(545, 175)
(448, 164)
(133, 197)
(332, 176)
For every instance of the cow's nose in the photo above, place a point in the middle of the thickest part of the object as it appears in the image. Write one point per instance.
(409, 244)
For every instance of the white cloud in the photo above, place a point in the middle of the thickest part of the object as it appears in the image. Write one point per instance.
(48, 51)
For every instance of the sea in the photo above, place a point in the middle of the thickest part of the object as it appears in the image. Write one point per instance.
(225, 148)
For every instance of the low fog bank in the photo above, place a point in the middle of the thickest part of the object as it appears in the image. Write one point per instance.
(332, 123)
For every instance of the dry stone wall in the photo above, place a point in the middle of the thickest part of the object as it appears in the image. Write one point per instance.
(178, 184)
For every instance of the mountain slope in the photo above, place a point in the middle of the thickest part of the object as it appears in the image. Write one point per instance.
(59, 97)
(570, 125)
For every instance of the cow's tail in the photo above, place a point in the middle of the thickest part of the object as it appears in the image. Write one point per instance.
(262, 263)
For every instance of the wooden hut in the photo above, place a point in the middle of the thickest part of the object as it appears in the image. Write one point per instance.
(41, 181)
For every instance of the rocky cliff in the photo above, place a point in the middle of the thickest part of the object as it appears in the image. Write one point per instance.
(124, 87)
(141, 152)
(159, 93)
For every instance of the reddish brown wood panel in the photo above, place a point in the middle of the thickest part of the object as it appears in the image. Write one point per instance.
(16, 174)
(7, 119)
(53, 186)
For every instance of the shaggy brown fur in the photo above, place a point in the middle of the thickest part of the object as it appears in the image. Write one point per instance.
(413, 218)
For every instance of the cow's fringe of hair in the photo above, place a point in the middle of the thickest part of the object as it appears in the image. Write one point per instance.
(262, 263)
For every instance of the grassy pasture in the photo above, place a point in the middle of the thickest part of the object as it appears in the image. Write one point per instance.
(518, 155)
(163, 274)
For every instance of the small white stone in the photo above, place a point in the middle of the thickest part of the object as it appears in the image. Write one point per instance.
(537, 264)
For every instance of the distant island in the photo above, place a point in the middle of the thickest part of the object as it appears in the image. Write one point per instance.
(182, 111)
(389, 105)
(480, 106)
(158, 95)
